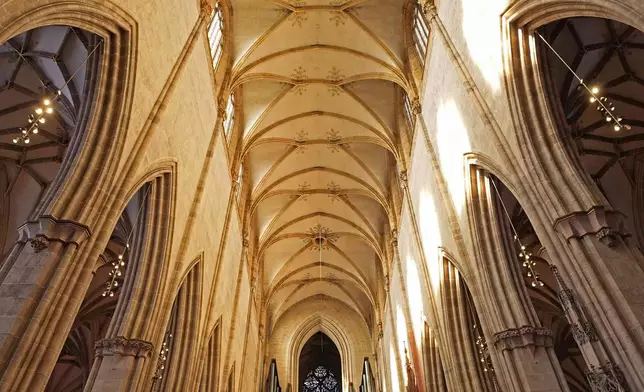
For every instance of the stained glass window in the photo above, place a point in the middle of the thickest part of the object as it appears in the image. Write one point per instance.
(321, 380)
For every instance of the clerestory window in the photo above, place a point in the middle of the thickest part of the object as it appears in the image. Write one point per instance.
(229, 120)
(421, 33)
(409, 113)
(216, 34)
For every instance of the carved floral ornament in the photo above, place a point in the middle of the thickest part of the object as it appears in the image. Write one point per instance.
(123, 346)
(524, 336)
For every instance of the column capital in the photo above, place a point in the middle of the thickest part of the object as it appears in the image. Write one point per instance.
(45, 229)
(123, 346)
(606, 225)
(524, 336)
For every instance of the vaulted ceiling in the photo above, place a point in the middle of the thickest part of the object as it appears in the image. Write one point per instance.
(319, 84)
(609, 55)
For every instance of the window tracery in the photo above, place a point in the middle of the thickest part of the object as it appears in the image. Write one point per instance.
(321, 380)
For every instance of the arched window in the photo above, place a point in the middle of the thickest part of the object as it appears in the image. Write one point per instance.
(321, 380)
(421, 33)
(229, 120)
(216, 34)
(409, 113)
(320, 365)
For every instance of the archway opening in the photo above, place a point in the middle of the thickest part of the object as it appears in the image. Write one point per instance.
(47, 85)
(600, 120)
(320, 365)
(543, 289)
(113, 274)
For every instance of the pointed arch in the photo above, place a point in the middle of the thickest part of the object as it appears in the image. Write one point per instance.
(210, 361)
(94, 153)
(183, 328)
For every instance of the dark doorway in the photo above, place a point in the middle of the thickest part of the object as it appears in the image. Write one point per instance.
(320, 365)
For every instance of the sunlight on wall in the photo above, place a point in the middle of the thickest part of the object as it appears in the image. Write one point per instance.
(393, 371)
(430, 236)
(415, 294)
(401, 328)
(452, 143)
(482, 33)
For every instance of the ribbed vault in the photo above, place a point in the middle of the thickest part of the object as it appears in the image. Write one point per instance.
(318, 85)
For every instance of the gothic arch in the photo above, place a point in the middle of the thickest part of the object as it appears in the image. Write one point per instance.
(210, 368)
(528, 100)
(312, 325)
(179, 368)
(570, 192)
(69, 196)
(94, 155)
(458, 321)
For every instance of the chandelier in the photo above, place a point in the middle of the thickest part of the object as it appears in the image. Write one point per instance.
(46, 107)
(605, 106)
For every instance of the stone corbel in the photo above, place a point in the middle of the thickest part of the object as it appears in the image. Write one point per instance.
(523, 337)
(394, 240)
(123, 346)
(403, 179)
(606, 225)
(39, 233)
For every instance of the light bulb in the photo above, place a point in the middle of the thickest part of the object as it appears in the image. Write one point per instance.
(15, 140)
(122, 263)
(120, 257)
(46, 102)
(541, 283)
(35, 130)
(27, 140)
(608, 119)
(24, 131)
(111, 294)
(116, 284)
(104, 293)
(617, 127)
(534, 284)
(38, 110)
(42, 120)
(592, 99)
(49, 110)
(595, 90)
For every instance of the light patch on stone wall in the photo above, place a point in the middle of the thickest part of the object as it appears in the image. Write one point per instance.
(452, 143)
(403, 339)
(481, 23)
(431, 236)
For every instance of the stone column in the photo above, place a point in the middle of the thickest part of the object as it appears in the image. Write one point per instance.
(462, 364)
(42, 284)
(434, 374)
(607, 273)
(521, 350)
(121, 364)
